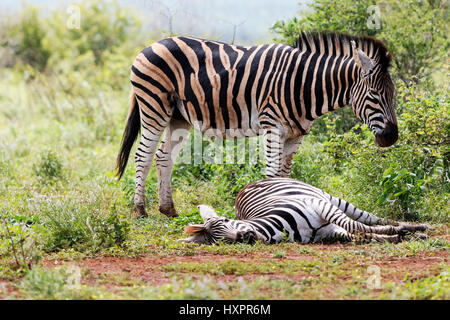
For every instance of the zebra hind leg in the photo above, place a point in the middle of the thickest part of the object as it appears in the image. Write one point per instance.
(143, 160)
(153, 125)
(363, 216)
(367, 237)
(174, 136)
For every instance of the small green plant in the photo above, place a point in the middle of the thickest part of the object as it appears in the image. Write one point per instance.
(193, 217)
(284, 237)
(45, 284)
(17, 240)
(279, 254)
(49, 169)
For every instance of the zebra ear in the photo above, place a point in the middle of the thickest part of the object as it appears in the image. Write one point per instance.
(362, 60)
(194, 228)
(206, 212)
(199, 238)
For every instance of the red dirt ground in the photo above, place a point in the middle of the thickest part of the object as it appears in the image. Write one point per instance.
(144, 269)
(114, 271)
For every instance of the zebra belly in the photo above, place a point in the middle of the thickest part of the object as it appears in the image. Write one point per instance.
(302, 226)
(328, 232)
(211, 124)
(302, 234)
(309, 225)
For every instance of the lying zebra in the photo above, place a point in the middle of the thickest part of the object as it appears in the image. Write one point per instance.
(271, 209)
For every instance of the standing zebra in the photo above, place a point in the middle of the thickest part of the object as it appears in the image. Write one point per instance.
(232, 91)
(271, 209)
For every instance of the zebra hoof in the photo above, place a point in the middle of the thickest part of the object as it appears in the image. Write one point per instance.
(415, 236)
(170, 211)
(139, 211)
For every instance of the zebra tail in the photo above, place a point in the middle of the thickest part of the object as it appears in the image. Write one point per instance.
(130, 134)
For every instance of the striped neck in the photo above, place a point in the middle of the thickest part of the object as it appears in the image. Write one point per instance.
(326, 73)
(325, 83)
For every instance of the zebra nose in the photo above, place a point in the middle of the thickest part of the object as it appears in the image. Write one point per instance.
(388, 136)
(246, 237)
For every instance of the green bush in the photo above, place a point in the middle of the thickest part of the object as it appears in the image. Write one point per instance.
(229, 178)
(108, 35)
(31, 47)
(402, 185)
(18, 237)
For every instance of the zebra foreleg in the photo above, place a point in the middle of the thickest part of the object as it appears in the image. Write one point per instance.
(274, 151)
(173, 140)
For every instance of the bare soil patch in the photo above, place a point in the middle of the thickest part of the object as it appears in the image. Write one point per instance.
(113, 273)
(145, 269)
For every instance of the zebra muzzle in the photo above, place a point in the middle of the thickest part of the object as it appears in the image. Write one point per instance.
(249, 237)
(388, 136)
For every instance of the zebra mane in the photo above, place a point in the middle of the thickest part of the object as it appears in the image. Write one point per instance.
(340, 42)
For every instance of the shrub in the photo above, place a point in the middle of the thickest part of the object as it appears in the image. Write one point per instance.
(402, 185)
(49, 168)
(229, 178)
(80, 223)
(104, 27)
(18, 235)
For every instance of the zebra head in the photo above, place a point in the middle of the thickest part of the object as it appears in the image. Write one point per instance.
(215, 229)
(373, 95)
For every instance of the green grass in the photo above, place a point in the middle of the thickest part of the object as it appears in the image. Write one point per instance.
(62, 283)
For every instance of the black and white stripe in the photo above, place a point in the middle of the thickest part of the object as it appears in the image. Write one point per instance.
(272, 90)
(271, 209)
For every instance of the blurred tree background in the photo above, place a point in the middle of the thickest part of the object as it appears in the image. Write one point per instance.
(414, 31)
